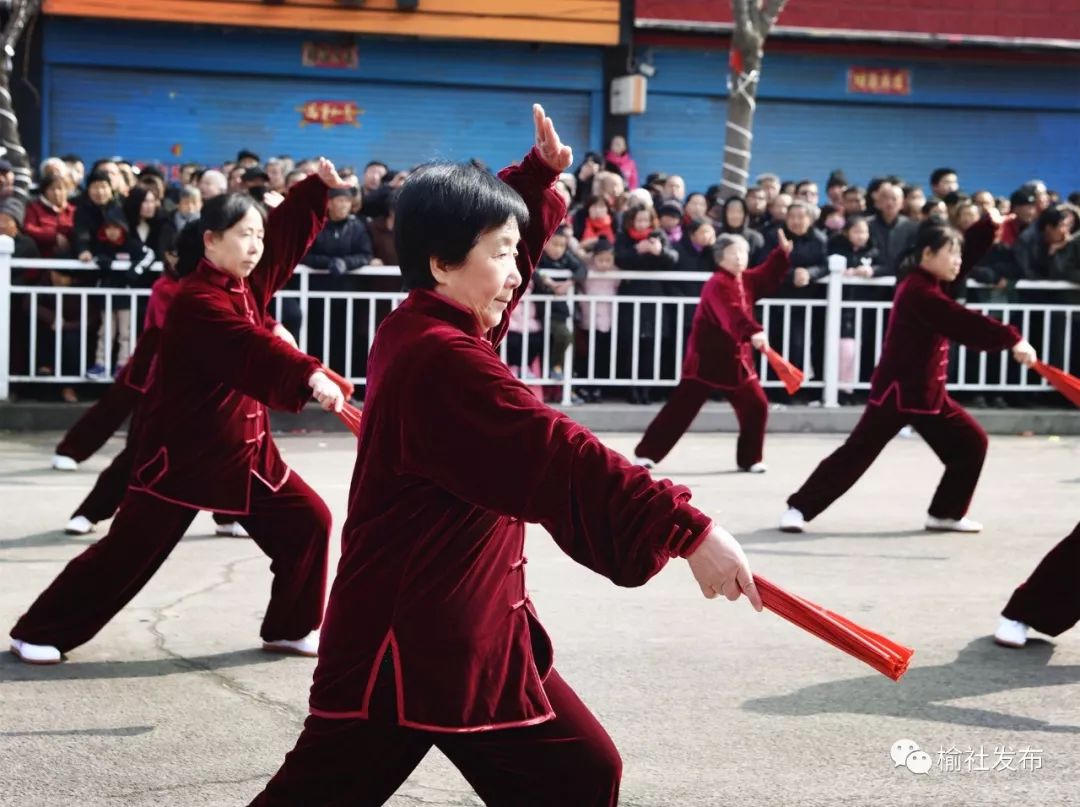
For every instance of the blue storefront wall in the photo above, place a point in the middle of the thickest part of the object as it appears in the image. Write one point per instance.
(177, 93)
(997, 125)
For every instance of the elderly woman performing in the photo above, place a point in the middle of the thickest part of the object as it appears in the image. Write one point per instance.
(430, 637)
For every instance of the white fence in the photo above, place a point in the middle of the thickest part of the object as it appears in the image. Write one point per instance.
(837, 341)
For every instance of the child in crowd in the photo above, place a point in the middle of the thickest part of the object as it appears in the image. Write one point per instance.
(596, 318)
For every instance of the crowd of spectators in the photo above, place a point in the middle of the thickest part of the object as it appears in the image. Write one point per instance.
(616, 221)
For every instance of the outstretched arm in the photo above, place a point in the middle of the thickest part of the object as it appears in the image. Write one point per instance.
(534, 180)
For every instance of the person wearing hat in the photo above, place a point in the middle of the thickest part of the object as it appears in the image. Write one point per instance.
(718, 354)
(12, 216)
(50, 219)
(1022, 211)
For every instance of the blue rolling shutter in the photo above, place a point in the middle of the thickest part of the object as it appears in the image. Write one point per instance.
(142, 115)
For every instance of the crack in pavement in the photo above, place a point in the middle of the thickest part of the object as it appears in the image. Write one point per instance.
(231, 684)
(262, 777)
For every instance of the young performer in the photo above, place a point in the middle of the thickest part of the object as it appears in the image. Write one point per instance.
(108, 491)
(908, 387)
(718, 354)
(1049, 601)
(205, 444)
(430, 637)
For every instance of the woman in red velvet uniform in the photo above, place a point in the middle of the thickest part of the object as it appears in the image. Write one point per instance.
(908, 387)
(719, 356)
(109, 488)
(1049, 600)
(204, 443)
(430, 637)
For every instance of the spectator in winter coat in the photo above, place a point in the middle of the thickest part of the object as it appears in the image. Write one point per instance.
(213, 183)
(1022, 211)
(890, 231)
(1037, 245)
(50, 219)
(12, 217)
(735, 220)
(594, 221)
(344, 242)
(641, 246)
(618, 155)
(90, 213)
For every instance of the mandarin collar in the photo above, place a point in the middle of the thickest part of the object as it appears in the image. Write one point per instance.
(428, 302)
(219, 277)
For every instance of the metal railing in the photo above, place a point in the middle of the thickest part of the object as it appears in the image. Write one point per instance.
(338, 326)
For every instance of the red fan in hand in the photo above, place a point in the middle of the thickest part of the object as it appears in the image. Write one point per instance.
(1067, 385)
(791, 375)
(884, 655)
(349, 414)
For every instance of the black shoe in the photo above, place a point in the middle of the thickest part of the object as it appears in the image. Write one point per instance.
(979, 402)
(999, 402)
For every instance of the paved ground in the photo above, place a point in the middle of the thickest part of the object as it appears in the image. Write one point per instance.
(709, 703)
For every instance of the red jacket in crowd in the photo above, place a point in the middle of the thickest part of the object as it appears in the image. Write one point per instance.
(44, 222)
(718, 351)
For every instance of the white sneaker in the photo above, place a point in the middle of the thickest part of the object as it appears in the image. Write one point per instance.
(308, 646)
(1011, 633)
(233, 529)
(79, 525)
(35, 653)
(964, 524)
(792, 521)
(62, 463)
(644, 462)
(756, 468)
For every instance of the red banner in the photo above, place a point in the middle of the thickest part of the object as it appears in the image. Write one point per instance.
(879, 81)
(330, 113)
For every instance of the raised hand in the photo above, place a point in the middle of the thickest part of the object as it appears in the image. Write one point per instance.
(783, 242)
(329, 175)
(551, 148)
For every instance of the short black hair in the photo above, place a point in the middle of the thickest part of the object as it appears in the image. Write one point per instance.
(98, 176)
(376, 162)
(189, 248)
(933, 234)
(225, 210)
(1051, 217)
(939, 174)
(71, 158)
(246, 154)
(442, 210)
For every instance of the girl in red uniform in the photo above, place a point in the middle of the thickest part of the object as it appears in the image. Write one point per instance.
(205, 443)
(1049, 601)
(718, 354)
(430, 637)
(908, 387)
(134, 381)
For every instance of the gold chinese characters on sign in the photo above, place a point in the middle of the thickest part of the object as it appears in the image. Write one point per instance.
(879, 81)
(330, 113)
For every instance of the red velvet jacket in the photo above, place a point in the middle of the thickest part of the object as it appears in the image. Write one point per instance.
(914, 360)
(454, 456)
(207, 430)
(138, 372)
(718, 351)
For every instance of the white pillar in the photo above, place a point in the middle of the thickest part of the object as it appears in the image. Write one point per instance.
(834, 301)
(7, 248)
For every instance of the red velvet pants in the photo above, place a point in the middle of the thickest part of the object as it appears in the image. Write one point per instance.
(99, 422)
(957, 439)
(360, 763)
(671, 422)
(292, 526)
(1050, 599)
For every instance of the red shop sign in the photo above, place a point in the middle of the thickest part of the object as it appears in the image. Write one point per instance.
(330, 113)
(879, 81)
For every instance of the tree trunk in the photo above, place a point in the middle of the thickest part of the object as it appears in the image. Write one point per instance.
(753, 21)
(21, 13)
